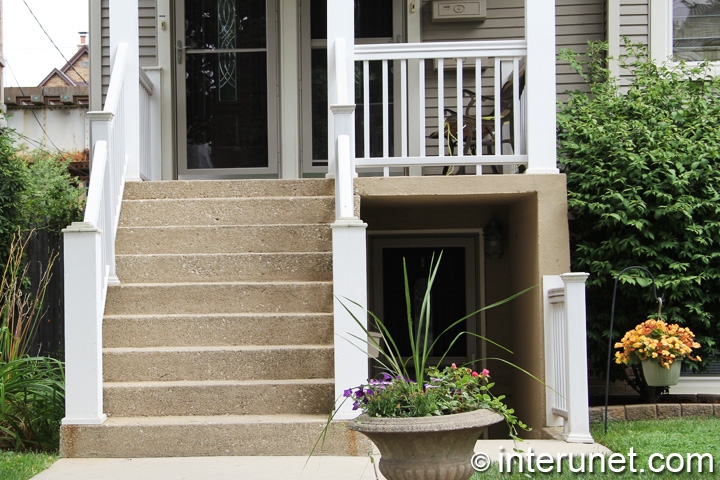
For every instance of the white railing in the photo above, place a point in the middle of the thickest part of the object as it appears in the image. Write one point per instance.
(150, 131)
(146, 93)
(490, 105)
(90, 253)
(566, 356)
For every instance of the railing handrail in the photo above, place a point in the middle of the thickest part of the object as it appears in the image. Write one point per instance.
(93, 206)
(425, 50)
(114, 93)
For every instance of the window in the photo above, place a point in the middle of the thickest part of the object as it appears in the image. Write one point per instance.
(696, 30)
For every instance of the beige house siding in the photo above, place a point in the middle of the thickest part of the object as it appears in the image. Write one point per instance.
(576, 23)
(635, 20)
(147, 14)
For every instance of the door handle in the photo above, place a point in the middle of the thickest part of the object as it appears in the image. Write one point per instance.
(180, 51)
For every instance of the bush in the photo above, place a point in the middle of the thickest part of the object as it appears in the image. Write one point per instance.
(51, 200)
(12, 186)
(644, 189)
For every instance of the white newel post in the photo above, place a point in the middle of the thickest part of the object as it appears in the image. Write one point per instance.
(124, 28)
(577, 427)
(540, 86)
(348, 231)
(84, 272)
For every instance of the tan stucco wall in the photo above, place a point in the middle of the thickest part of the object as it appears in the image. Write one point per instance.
(533, 212)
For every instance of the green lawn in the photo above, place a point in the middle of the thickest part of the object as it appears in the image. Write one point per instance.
(672, 436)
(22, 466)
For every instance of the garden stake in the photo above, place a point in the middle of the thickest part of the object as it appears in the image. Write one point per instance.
(612, 319)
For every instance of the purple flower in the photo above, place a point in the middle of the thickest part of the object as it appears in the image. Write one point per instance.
(347, 392)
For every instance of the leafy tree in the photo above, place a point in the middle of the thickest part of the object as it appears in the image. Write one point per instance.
(643, 172)
(12, 185)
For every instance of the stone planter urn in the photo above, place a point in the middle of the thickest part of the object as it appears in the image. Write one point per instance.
(424, 448)
(659, 376)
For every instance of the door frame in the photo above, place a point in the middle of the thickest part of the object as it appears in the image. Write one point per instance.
(273, 103)
(471, 241)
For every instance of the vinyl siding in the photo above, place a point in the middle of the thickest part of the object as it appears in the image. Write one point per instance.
(147, 11)
(635, 21)
(576, 23)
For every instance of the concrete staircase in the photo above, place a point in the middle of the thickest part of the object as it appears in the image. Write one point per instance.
(219, 341)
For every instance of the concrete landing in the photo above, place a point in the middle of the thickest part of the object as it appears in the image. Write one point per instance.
(269, 468)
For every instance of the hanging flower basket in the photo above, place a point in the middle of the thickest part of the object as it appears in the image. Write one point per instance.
(658, 376)
(660, 348)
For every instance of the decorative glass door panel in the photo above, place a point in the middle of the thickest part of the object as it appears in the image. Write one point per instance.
(225, 64)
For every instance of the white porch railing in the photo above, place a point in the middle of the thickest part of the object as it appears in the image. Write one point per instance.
(146, 92)
(150, 123)
(566, 356)
(90, 252)
(492, 117)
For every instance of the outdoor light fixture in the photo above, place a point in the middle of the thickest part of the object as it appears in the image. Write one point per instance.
(494, 240)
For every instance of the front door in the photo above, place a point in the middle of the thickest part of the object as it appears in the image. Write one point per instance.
(226, 88)
(454, 293)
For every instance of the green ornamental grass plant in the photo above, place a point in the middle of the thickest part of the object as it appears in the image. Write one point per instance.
(410, 387)
(32, 392)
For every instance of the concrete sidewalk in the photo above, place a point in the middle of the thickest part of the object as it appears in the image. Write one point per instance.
(269, 468)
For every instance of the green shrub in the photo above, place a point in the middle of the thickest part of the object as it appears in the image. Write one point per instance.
(644, 189)
(51, 200)
(12, 186)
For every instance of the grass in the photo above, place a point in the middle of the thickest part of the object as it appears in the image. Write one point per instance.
(22, 466)
(671, 436)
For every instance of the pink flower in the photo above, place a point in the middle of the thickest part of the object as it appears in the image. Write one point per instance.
(454, 366)
(475, 374)
(486, 372)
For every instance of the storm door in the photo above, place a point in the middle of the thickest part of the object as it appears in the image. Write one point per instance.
(226, 88)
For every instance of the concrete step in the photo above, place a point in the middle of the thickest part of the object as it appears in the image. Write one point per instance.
(221, 435)
(208, 330)
(243, 267)
(168, 364)
(227, 211)
(224, 239)
(227, 297)
(267, 397)
(229, 189)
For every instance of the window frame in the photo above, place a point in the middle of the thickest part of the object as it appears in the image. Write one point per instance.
(661, 33)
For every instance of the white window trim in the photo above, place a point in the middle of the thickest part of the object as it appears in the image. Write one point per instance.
(661, 27)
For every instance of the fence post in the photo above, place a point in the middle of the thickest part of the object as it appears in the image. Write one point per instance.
(577, 427)
(84, 306)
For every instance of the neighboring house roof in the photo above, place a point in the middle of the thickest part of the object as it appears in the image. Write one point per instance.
(73, 68)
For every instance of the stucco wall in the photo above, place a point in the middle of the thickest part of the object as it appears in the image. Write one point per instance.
(533, 211)
(65, 126)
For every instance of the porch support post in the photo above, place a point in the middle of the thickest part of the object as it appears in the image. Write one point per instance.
(340, 25)
(540, 71)
(577, 427)
(84, 270)
(124, 28)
